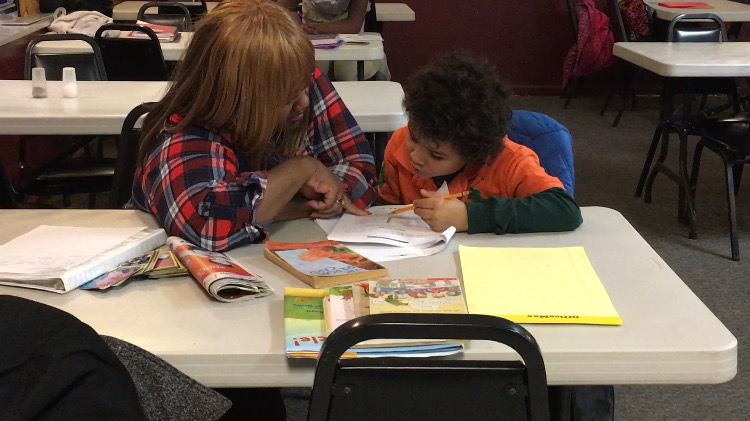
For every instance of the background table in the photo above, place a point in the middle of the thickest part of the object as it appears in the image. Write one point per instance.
(688, 59)
(101, 107)
(668, 335)
(174, 51)
(728, 11)
(128, 11)
(11, 33)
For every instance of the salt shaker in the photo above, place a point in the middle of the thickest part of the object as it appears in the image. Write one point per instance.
(38, 83)
(69, 85)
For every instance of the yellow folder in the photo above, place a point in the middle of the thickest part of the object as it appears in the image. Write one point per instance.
(535, 285)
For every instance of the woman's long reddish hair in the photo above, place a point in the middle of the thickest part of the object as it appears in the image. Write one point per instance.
(247, 59)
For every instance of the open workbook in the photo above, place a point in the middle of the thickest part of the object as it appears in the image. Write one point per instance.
(62, 258)
(382, 237)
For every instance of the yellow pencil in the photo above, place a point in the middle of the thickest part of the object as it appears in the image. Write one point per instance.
(408, 208)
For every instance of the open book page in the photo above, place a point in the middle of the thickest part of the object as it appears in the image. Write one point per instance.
(535, 285)
(54, 258)
(406, 231)
(223, 278)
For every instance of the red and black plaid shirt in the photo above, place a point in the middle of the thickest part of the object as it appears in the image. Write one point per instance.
(197, 187)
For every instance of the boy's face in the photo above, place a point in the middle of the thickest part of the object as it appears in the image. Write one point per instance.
(432, 157)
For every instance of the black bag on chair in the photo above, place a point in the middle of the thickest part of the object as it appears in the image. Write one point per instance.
(53, 366)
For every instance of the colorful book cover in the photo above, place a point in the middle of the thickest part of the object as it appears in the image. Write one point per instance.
(323, 263)
(417, 295)
(304, 323)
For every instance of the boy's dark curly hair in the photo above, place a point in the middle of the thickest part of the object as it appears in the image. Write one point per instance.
(460, 100)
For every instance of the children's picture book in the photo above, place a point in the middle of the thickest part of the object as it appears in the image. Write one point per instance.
(410, 295)
(535, 285)
(305, 327)
(222, 278)
(406, 234)
(323, 263)
(53, 258)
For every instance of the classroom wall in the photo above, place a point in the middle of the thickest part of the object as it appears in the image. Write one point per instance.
(525, 39)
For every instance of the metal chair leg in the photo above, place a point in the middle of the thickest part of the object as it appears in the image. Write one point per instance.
(686, 208)
(737, 168)
(732, 210)
(649, 159)
(655, 168)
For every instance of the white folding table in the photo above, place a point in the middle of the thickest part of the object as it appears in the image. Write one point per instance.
(372, 49)
(676, 60)
(668, 335)
(728, 11)
(101, 107)
(384, 12)
(174, 51)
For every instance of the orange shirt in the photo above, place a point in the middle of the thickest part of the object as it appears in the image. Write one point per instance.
(515, 173)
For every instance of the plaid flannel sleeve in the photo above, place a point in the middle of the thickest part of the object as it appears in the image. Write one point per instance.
(336, 140)
(194, 189)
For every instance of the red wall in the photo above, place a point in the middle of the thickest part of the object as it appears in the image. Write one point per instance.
(525, 39)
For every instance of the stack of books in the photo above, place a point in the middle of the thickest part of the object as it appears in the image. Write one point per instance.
(311, 315)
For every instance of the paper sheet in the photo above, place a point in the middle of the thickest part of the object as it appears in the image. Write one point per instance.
(535, 285)
(405, 235)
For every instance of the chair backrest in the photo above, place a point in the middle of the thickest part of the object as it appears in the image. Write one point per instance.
(127, 155)
(181, 19)
(8, 194)
(550, 140)
(197, 9)
(703, 27)
(371, 19)
(89, 66)
(426, 389)
(131, 58)
(615, 18)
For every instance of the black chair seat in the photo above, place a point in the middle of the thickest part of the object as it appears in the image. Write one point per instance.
(733, 133)
(83, 170)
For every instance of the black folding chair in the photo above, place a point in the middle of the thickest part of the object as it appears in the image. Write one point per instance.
(180, 19)
(127, 155)
(729, 138)
(197, 9)
(417, 389)
(682, 120)
(66, 173)
(133, 59)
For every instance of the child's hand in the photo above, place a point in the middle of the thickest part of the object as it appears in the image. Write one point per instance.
(440, 213)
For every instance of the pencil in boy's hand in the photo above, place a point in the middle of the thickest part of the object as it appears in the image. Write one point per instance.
(408, 208)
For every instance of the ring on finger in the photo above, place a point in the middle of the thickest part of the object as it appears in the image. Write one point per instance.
(340, 201)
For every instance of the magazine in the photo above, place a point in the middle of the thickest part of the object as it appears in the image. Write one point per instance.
(223, 278)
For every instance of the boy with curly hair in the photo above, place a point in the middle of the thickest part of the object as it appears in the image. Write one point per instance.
(455, 142)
